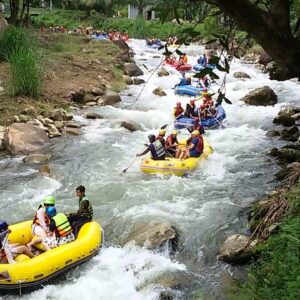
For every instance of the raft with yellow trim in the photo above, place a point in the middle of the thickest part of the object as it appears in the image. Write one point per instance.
(174, 166)
(31, 273)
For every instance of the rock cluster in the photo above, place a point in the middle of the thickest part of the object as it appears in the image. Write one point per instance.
(261, 97)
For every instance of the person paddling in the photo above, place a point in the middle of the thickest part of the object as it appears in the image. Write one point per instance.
(195, 148)
(156, 148)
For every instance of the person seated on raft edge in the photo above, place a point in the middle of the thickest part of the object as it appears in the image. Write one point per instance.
(178, 110)
(40, 224)
(84, 213)
(60, 231)
(170, 60)
(184, 80)
(197, 126)
(194, 149)
(156, 148)
(190, 109)
(161, 136)
(184, 58)
(9, 251)
(171, 144)
(202, 60)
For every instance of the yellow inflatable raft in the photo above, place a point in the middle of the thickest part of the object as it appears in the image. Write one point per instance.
(174, 166)
(28, 274)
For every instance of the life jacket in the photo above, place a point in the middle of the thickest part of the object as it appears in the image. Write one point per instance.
(36, 219)
(62, 225)
(185, 59)
(199, 145)
(159, 148)
(88, 213)
(161, 139)
(178, 111)
(171, 140)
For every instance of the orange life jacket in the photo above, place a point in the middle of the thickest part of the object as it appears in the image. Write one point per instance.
(36, 219)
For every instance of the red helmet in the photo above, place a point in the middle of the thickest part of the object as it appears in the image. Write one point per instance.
(202, 106)
(178, 103)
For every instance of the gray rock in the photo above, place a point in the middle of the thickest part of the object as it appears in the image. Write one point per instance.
(290, 134)
(48, 121)
(264, 58)
(111, 98)
(163, 72)
(132, 69)
(59, 114)
(241, 75)
(284, 120)
(37, 158)
(159, 92)
(72, 131)
(59, 124)
(92, 103)
(53, 131)
(262, 96)
(296, 116)
(138, 81)
(73, 125)
(98, 91)
(122, 45)
(128, 79)
(272, 133)
(23, 139)
(131, 126)
(289, 111)
(233, 250)
(153, 235)
(92, 115)
(286, 154)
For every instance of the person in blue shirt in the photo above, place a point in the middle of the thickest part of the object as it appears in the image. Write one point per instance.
(202, 60)
(156, 148)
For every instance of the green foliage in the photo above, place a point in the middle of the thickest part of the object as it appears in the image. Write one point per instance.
(11, 39)
(25, 72)
(276, 275)
(140, 28)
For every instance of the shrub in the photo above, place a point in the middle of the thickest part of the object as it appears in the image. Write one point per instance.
(25, 72)
(11, 39)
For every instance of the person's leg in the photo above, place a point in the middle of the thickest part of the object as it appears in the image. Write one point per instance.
(78, 224)
(34, 242)
(20, 250)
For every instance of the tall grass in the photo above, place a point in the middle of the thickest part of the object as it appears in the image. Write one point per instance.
(140, 29)
(25, 72)
(12, 38)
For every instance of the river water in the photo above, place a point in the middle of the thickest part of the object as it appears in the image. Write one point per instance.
(205, 207)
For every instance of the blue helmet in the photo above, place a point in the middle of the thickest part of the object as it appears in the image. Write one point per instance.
(51, 211)
(3, 226)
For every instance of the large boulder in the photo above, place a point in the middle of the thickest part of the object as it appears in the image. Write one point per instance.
(159, 92)
(22, 138)
(92, 115)
(138, 81)
(131, 126)
(153, 235)
(261, 97)
(110, 98)
(264, 58)
(233, 250)
(241, 75)
(60, 114)
(163, 72)
(286, 154)
(37, 158)
(132, 69)
(122, 45)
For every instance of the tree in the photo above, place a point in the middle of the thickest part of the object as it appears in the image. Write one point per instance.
(269, 23)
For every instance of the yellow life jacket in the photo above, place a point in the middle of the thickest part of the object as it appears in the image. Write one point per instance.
(62, 224)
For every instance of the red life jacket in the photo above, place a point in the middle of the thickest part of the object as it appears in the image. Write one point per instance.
(199, 146)
(178, 111)
(170, 141)
(36, 220)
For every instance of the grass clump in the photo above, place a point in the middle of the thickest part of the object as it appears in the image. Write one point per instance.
(25, 73)
(276, 275)
(11, 39)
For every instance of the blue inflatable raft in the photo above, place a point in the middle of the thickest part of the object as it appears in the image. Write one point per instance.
(209, 123)
(199, 67)
(188, 90)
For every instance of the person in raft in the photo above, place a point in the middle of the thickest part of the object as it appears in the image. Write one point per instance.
(9, 251)
(40, 224)
(156, 148)
(84, 213)
(161, 136)
(194, 148)
(172, 143)
(178, 110)
(60, 231)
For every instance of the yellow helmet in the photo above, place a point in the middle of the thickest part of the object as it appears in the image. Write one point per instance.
(196, 132)
(175, 132)
(162, 132)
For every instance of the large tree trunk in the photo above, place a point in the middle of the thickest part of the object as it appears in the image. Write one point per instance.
(270, 28)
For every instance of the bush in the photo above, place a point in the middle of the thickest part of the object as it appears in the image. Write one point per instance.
(25, 72)
(11, 39)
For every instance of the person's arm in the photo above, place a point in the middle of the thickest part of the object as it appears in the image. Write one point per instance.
(9, 255)
(144, 152)
(41, 217)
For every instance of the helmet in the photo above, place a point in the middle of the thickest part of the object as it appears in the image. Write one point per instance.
(196, 132)
(192, 101)
(162, 132)
(3, 226)
(51, 211)
(151, 138)
(175, 132)
(50, 200)
(196, 119)
(202, 106)
(178, 103)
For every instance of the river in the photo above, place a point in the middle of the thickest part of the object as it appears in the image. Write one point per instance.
(205, 207)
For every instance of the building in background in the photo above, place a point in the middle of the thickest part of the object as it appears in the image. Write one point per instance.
(148, 12)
